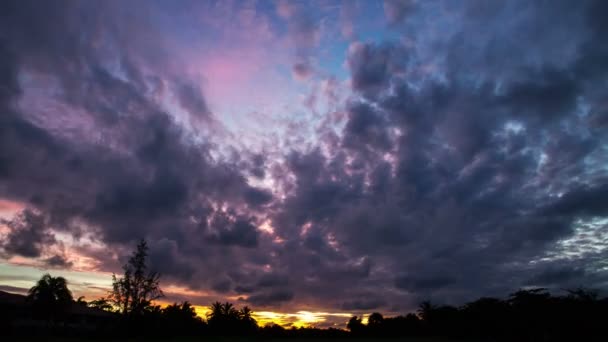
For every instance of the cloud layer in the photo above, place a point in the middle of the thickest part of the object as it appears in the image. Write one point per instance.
(462, 153)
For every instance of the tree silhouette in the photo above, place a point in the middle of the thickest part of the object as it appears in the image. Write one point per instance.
(215, 311)
(222, 311)
(526, 315)
(135, 291)
(355, 325)
(181, 319)
(248, 323)
(485, 317)
(50, 296)
(375, 319)
(425, 310)
(101, 304)
(583, 295)
(81, 301)
(226, 319)
(245, 313)
(375, 323)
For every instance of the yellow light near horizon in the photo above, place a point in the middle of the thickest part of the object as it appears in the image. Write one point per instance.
(269, 317)
(309, 318)
(201, 311)
(298, 319)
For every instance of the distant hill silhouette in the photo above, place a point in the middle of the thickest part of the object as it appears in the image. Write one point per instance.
(7, 298)
(20, 302)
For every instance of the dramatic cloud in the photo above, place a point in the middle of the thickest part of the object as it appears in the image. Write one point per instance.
(27, 234)
(444, 150)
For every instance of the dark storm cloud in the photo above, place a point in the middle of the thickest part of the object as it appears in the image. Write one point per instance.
(257, 166)
(272, 280)
(372, 66)
(465, 181)
(58, 261)
(583, 201)
(243, 289)
(240, 233)
(28, 234)
(455, 187)
(363, 304)
(222, 285)
(166, 258)
(257, 197)
(365, 127)
(558, 275)
(190, 97)
(137, 173)
(270, 297)
(547, 93)
(419, 284)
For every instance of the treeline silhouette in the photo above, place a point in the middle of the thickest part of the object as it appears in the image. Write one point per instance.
(128, 311)
(527, 315)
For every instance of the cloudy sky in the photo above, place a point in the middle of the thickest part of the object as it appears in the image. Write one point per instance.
(311, 159)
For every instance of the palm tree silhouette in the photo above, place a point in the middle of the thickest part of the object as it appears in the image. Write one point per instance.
(225, 318)
(248, 322)
(228, 310)
(217, 310)
(245, 314)
(50, 296)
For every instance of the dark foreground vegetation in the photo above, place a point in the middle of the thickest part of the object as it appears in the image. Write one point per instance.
(128, 313)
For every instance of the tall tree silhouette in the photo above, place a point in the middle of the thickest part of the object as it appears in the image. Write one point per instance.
(50, 296)
(135, 291)
(248, 323)
(425, 310)
(375, 323)
(223, 317)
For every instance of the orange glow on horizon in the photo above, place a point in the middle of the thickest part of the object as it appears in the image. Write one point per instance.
(299, 319)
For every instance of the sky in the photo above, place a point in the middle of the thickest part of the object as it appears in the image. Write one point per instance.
(309, 159)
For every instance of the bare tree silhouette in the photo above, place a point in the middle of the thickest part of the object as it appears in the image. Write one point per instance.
(135, 291)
